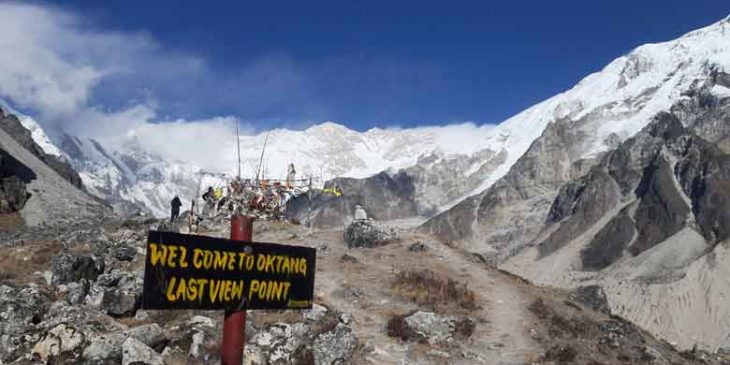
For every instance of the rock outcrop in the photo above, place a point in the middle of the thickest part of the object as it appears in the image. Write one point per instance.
(12, 125)
(50, 193)
(14, 177)
(67, 268)
(368, 233)
(384, 196)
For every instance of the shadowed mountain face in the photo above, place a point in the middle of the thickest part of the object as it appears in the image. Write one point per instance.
(670, 179)
(384, 197)
(11, 125)
(42, 188)
(13, 179)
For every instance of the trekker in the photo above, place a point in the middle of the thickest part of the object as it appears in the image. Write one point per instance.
(175, 205)
(208, 202)
(208, 195)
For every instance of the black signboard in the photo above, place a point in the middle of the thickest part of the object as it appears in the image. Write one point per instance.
(197, 272)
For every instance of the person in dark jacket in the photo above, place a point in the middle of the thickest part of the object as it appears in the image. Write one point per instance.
(175, 204)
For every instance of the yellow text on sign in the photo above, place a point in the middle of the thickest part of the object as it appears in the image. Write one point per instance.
(173, 256)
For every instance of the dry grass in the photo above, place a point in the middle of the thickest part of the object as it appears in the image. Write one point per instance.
(18, 264)
(425, 288)
(398, 328)
(10, 222)
(465, 328)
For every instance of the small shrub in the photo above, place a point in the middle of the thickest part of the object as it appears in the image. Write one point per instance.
(539, 308)
(465, 328)
(560, 354)
(425, 288)
(398, 328)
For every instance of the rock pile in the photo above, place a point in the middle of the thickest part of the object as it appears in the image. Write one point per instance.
(367, 233)
(430, 327)
(322, 339)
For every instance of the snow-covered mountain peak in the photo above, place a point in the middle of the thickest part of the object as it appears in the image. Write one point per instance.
(327, 127)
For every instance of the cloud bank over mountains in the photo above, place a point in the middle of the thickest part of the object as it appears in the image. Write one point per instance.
(72, 75)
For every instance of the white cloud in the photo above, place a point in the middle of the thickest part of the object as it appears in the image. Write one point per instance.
(209, 143)
(52, 62)
(106, 85)
(34, 74)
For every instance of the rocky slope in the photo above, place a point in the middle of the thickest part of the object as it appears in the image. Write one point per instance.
(384, 196)
(27, 133)
(38, 186)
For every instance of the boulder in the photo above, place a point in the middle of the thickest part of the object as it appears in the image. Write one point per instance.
(368, 234)
(106, 348)
(432, 327)
(94, 296)
(121, 294)
(125, 253)
(335, 347)
(109, 347)
(653, 356)
(349, 258)
(174, 355)
(149, 334)
(13, 194)
(385, 196)
(21, 308)
(593, 296)
(83, 318)
(315, 314)
(196, 350)
(60, 341)
(418, 247)
(280, 343)
(74, 293)
(134, 352)
(69, 268)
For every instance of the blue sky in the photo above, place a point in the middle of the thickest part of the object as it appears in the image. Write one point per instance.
(363, 63)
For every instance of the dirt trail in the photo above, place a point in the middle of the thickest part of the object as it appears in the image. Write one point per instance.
(360, 284)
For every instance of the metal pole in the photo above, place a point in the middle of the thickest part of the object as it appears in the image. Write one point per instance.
(234, 324)
(309, 199)
(238, 148)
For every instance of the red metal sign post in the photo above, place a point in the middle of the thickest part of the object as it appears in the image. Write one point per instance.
(234, 324)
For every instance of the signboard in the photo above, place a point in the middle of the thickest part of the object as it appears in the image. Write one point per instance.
(197, 272)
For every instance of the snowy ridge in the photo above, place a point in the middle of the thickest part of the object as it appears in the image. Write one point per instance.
(38, 134)
(331, 150)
